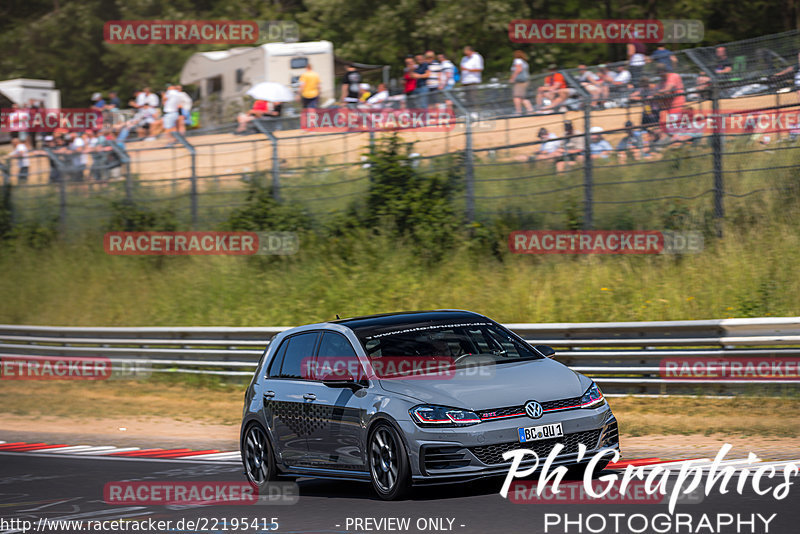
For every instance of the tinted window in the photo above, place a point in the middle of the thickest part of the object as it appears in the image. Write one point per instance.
(275, 364)
(299, 63)
(335, 345)
(300, 350)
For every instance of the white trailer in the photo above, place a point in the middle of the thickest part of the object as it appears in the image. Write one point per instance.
(20, 90)
(228, 74)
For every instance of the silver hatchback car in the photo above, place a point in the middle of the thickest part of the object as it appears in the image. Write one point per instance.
(413, 398)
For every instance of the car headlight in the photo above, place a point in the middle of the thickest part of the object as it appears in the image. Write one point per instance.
(592, 397)
(441, 416)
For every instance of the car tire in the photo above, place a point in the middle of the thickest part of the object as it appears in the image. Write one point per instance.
(258, 457)
(387, 460)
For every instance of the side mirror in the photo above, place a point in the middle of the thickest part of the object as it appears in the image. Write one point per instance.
(340, 378)
(545, 350)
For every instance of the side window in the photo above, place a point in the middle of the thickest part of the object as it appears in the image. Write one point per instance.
(335, 345)
(300, 350)
(275, 365)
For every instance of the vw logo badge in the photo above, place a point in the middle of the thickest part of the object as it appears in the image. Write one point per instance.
(533, 409)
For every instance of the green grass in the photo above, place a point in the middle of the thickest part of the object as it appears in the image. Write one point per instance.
(749, 273)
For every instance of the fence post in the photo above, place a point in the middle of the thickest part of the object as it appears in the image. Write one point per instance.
(193, 154)
(469, 171)
(5, 168)
(588, 180)
(716, 147)
(62, 189)
(276, 162)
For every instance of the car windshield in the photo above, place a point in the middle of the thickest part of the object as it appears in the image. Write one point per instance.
(459, 344)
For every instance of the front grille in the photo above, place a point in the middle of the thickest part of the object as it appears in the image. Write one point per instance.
(493, 454)
(519, 411)
(444, 457)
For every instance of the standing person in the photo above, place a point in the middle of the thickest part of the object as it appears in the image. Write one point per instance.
(309, 88)
(18, 121)
(20, 152)
(433, 81)
(410, 83)
(471, 71)
(671, 89)
(113, 101)
(184, 110)
(665, 57)
(636, 58)
(80, 159)
(350, 85)
(172, 101)
(520, 78)
(421, 74)
(447, 76)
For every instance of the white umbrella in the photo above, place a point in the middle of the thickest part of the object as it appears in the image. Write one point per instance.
(271, 92)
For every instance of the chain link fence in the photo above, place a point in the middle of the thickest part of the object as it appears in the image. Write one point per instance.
(592, 154)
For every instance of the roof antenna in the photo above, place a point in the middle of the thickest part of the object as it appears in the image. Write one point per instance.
(337, 316)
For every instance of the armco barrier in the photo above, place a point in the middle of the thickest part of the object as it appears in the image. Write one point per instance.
(621, 357)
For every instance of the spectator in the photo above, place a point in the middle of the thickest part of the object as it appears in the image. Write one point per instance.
(598, 146)
(350, 85)
(420, 74)
(410, 82)
(309, 88)
(591, 83)
(145, 98)
(471, 71)
(722, 68)
(364, 92)
(172, 102)
(665, 57)
(790, 72)
(261, 108)
(549, 147)
(53, 146)
(670, 90)
(20, 153)
(113, 102)
(572, 148)
(621, 79)
(650, 105)
(18, 121)
(184, 110)
(434, 79)
(379, 99)
(520, 78)
(98, 102)
(34, 107)
(80, 157)
(554, 90)
(93, 146)
(632, 142)
(636, 58)
(447, 78)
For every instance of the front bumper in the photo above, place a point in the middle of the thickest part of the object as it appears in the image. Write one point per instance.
(440, 455)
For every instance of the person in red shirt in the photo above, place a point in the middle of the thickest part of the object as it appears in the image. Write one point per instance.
(673, 97)
(408, 77)
(261, 108)
(554, 89)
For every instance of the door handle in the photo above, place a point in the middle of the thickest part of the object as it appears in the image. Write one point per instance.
(269, 394)
(310, 396)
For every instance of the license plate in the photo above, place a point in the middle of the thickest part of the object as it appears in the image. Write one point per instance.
(535, 433)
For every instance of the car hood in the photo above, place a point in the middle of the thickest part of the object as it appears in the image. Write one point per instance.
(506, 384)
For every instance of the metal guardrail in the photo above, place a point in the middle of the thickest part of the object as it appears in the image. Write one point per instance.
(622, 357)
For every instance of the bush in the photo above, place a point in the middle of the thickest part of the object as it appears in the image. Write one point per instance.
(263, 212)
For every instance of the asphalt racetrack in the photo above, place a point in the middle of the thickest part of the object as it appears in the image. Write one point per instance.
(35, 486)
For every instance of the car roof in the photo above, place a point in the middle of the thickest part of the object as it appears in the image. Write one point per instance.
(390, 320)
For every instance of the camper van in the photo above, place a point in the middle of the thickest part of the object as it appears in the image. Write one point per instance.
(228, 74)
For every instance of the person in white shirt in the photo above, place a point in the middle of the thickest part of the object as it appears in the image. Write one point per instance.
(471, 71)
(447, 74)
(79, 156)
(172, 101)
(378, 100)
(184, 109)
(18, 121)
(21, 153)
(146, 98)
